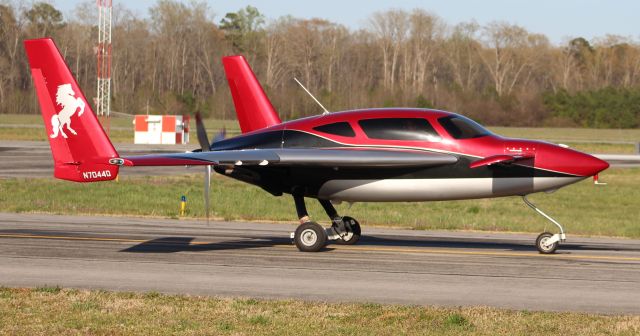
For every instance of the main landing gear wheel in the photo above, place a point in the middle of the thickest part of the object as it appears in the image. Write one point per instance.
(310, 237)
(353, 231)
(542, 243)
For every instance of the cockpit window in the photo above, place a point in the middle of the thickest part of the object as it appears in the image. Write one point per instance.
(460, 127)
(414, 129)
(339, 128)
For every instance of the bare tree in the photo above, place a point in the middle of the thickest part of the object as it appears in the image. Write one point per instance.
(425, 34)
(504, 57)
(273, 45)
(461, 57)
(391, 28)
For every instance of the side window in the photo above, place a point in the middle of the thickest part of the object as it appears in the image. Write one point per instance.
(416, 129)
(339, 128)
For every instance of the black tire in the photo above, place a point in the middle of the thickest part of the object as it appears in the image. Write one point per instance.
(541, 239)
(310, 237)
(354, 234)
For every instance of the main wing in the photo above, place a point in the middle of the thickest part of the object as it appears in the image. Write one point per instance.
(298, 157)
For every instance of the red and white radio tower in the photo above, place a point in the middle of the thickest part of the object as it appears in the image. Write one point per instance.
(103, 97)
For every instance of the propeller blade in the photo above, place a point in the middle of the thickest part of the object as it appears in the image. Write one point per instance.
(203, 139)
(207, 186)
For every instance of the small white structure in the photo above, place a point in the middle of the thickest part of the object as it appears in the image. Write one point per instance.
(161, 129)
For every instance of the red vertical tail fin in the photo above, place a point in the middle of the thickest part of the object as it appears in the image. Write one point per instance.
(81, 150)
(253, 108)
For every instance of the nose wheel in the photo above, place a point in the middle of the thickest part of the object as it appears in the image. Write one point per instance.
(547, 242)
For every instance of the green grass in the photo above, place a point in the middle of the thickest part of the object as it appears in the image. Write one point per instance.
(38, 134)
(121, 128)
(48, 289)
(457, 320)
(74, 312)
(583, 208)
(36, 119)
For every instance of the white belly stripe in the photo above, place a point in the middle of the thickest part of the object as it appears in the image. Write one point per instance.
(415, 190)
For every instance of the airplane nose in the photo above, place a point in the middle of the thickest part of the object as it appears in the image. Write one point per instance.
(593, 165)
(572, 162)
(568, 161)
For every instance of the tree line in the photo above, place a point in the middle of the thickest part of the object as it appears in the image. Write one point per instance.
(169, 63)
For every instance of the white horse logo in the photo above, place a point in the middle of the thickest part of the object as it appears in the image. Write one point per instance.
(65, 97)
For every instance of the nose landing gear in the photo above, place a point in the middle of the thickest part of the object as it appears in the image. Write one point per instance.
(547, 243)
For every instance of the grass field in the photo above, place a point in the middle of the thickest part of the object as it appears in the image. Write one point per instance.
(31, 128)
(618, 141)
(584, 208)
(119, 122)
(38, 134)
(51, 310)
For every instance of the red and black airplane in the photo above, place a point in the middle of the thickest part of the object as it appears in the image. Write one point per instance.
(367, 155)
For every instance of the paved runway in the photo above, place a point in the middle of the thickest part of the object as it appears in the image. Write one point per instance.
(258, 260)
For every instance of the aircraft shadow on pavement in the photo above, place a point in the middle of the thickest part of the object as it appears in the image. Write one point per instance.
(470, 243)
(187, 244)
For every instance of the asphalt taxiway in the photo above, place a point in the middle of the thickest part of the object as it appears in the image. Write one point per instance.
(258, 260)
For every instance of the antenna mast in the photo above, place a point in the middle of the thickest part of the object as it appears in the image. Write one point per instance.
(309, 93)
(103, 54)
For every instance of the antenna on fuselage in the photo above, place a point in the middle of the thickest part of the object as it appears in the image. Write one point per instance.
(309, 93)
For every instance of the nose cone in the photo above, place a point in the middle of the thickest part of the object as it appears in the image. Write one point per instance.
(591, 165)
(569, 161)
(600, 166)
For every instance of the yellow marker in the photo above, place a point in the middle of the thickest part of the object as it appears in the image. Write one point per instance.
(183, 205)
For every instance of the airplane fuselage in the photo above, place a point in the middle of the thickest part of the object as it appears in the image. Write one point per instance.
(546, 166)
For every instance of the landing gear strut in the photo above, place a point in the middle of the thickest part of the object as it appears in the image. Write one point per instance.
(547, 243)
(312, 237)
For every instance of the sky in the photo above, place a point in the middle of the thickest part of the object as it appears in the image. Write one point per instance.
(557, 19)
